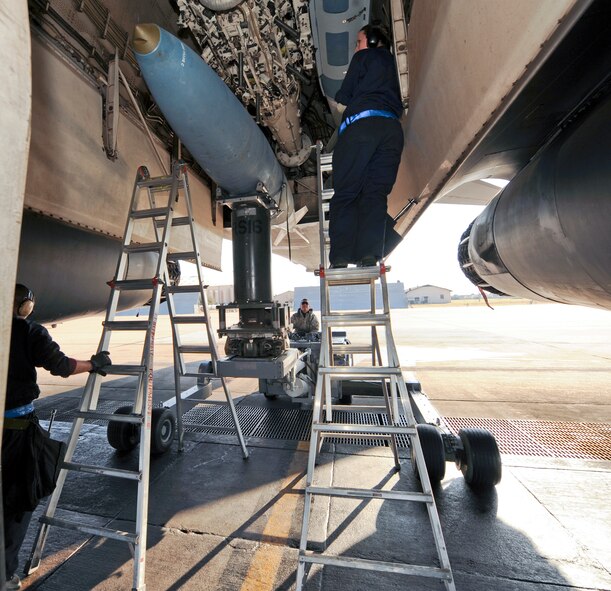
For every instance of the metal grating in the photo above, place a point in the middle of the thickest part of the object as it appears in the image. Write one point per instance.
(402, 440)
(284, 423)
(358, 418)
(216, 418)
(589, 441)
(557, 439)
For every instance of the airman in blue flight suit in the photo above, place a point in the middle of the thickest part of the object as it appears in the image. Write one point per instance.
(367, 155)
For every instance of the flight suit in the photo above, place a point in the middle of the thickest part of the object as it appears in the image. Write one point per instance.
(366, 157)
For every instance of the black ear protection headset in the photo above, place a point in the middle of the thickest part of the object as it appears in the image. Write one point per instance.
(375, 36)
(24, 300)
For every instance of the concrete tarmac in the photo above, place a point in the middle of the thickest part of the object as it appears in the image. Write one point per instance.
(217, 521)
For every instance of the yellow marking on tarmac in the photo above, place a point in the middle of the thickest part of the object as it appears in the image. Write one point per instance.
(263, 569)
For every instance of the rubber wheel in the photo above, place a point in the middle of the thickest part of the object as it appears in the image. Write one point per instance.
(433, 451)
(480, 460)
(163, 427)
(123, 436)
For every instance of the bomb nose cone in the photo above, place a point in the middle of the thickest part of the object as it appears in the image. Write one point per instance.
(146, 38)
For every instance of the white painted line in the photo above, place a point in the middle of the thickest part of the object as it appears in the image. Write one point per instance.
(170, 402)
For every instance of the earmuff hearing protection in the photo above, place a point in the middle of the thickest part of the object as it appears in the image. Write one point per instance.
(26, 306)
(373, 37)
(376, 37)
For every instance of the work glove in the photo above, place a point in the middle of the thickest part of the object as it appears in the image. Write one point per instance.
(100, 361)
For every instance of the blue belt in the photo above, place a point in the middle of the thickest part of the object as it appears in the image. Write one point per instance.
(20, 411)
(369, 113)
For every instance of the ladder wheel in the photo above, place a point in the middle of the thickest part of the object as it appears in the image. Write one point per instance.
(162, 430)
(433, 451)
(480, 460)
(123, 436)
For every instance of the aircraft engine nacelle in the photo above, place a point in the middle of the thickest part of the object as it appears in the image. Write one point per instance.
(547, 236)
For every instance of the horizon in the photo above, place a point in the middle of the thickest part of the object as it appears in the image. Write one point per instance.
(435, 235)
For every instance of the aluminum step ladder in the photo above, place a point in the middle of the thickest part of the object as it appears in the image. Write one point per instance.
(384, 368)
(143, 210)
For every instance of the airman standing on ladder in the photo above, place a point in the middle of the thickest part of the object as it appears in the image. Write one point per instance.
(31, 347)
(368, 152)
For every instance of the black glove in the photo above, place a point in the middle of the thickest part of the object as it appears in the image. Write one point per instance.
(100, 361)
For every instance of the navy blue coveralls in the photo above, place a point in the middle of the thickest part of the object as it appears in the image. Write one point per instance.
(31, 347)
(366, 157)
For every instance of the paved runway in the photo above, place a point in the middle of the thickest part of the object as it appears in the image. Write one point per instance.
(219, 522)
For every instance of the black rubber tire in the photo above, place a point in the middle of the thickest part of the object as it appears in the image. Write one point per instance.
(163, 428)
(433, 451)
(123, 436)
(480, 460)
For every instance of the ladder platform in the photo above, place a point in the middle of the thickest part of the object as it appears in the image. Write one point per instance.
(144, 247)
(108, 416)
(194, 349)
(366, 319)
(135, 284)
(114, 472)
(183, 256)
(415, 570)
(153, 212)
(126, 324)
(103, 532)
(350, 371)
(366, 429)
(363, 493)
(125, 370)
(190, 320)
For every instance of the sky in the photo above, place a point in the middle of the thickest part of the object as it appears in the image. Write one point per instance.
(427, 255)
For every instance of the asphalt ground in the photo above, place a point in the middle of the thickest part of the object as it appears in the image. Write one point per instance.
(217, 521)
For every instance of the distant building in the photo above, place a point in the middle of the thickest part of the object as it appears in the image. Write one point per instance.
(286, 297)
(220, 294)
(428, 294)
(353, 297)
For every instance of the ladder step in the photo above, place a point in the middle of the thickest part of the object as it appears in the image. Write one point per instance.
(199, 375)
(366, 429)
(108, 416)
(159, 181)
(135, 284)
(155, 212)
(377, 565)
(183, 288)
(361, 493)
(126, 324)
(350, 371)
(365, 319)
(182, 256)
(352, 349)
(326, 158)
(125, 370)
(327, 194)
(145, 247)
(194, 349)
(189, 320)
(103, 532)
(177, 221)
(116, 472)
